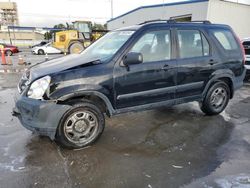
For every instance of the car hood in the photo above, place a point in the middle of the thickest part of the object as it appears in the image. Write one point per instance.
(58, 64)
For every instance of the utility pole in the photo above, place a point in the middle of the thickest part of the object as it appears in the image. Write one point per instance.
(163, 11)
(112, 9)
(9, 34)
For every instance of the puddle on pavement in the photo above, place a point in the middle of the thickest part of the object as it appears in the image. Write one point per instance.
(167, 147)
(156, 148)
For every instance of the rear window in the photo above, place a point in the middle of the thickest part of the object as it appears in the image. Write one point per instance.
(226, 39)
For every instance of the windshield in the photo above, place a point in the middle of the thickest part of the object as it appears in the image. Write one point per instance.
(108, 45)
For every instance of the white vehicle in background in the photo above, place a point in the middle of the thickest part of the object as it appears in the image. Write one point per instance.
(45, 49)
(246, 44)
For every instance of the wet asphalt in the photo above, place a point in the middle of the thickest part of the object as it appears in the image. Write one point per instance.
(167, 147)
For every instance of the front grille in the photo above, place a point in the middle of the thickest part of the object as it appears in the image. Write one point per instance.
(247, 63)
(24, 82)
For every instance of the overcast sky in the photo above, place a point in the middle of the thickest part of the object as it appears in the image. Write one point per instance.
(51, 12)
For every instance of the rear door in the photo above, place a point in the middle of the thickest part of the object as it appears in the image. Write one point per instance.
(194, 62)
(154, 79)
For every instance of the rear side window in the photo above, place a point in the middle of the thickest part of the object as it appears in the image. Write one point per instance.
(192, 43)
(226, 39)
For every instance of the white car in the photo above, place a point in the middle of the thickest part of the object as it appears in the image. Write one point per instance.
(246, 44)
(45, 49)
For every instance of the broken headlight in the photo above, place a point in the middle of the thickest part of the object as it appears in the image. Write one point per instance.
(39, 87)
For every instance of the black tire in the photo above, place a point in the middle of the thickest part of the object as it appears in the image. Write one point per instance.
(76, 48)
(247, 78)
(67, 139)
(8, 52)
(40, 52)
(208, 106)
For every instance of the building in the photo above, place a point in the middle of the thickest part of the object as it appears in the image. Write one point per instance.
(235, 14)
(8, 14)
(21, 37)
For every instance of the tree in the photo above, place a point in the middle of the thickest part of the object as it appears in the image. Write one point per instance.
(60, 26)
(48, 35)
(97, 26)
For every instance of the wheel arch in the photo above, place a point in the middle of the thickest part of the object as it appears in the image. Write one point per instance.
(98, 98)
(221, 75)
(9, 50)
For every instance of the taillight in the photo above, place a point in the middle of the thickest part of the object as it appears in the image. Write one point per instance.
(243, 51)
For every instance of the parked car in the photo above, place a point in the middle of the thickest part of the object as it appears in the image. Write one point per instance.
(136, 68)
(246, 44)
(47, 48)
(39, 44)
(9, 50)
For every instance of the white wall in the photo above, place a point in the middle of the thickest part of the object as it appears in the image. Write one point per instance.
(233, 14)
(198, 11)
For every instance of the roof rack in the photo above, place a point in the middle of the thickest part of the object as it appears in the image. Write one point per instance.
(174, 21)
(200, 21)
(150, 21)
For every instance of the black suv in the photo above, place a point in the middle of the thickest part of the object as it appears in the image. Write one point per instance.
(153, 64)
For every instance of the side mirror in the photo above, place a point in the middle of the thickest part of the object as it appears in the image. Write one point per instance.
(132, 58)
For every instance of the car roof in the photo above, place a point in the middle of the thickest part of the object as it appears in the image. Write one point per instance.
(173, 23)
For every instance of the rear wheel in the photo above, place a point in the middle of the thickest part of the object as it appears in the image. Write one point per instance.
(81, 125)
(9, 53)
(76, 48)
(216, 99)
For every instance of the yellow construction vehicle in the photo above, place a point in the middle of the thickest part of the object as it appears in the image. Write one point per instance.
(77, 39)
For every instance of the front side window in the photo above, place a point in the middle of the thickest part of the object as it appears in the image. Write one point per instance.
(192, 44)
(105, 47)
(154, 46)
(225, 38)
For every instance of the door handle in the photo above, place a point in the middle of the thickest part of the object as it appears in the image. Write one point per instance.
(165, 67)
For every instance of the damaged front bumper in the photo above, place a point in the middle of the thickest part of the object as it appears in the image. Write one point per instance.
(38, 116)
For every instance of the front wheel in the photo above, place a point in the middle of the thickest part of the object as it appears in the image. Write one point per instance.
(40, 52)
(80, 126)
(76, 48)
(216, 99)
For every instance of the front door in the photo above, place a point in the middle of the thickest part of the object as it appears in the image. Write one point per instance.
(154, 79)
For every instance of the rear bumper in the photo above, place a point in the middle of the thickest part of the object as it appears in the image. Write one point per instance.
(39, 116)
(16, 50)
(238, 81)
(248, 69)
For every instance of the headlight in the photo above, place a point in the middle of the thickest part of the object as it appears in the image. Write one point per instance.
(39, 87)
